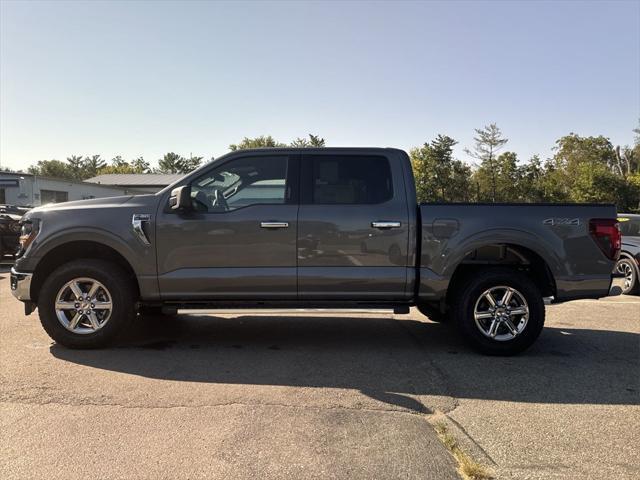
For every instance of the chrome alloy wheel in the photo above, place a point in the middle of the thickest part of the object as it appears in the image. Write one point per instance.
(624, 267)
(501, 313)
(83, 305)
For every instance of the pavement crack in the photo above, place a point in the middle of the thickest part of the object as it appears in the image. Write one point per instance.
(469, 437)
(209, 405)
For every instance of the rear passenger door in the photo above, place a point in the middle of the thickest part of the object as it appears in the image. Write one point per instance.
(353, 228)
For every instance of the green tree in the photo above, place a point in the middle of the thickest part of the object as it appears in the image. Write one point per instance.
(312, 142)
(121, 166)
(52, 168)
(174, 163)
(437, 175)
(263, 141)
(91, 165)
(502, 182)
(140, 165)
(627, 162)
(532, 180)
(170, 163)
(488, 141)
(585, 169)
(75, 166)
(118, 161)
(190, 164)
(267, 141)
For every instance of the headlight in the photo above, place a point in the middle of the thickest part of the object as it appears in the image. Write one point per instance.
(28, 233)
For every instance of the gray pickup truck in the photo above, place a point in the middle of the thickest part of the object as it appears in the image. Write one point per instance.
(310, 228)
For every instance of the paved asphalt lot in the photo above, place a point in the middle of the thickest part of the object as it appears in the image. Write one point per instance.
(318, 395)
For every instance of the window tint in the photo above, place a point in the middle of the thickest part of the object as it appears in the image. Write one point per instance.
(240, 183)
(351, 179)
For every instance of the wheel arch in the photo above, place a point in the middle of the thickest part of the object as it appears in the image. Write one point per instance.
(506, 255)
(78, 249)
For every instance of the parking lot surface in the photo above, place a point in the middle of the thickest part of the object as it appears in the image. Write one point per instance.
(320, 395)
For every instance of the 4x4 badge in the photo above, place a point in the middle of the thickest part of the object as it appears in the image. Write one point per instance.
(572, 222)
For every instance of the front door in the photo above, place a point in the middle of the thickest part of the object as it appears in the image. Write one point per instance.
(353, 228)
(240, 240)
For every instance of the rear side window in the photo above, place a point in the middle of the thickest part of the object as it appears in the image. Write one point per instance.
(351, 179)
(629, 226)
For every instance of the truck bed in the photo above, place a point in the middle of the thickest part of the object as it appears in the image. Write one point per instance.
(555, 234)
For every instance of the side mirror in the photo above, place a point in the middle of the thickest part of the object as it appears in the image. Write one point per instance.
(180, 199)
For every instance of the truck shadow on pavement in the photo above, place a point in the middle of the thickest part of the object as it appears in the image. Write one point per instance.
(393, 361)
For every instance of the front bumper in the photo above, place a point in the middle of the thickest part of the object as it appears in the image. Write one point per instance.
(21, 285)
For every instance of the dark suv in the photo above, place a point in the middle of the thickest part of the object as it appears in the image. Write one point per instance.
(10, 216)
(629, 261)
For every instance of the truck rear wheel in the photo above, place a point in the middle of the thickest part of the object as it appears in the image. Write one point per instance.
(86, 303)
(499, 311)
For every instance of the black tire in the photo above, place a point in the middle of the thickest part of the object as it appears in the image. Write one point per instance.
(464, 304)
(628, 267)
(432, 313)
(123, 299)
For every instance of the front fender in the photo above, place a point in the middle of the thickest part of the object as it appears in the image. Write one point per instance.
(141, 259)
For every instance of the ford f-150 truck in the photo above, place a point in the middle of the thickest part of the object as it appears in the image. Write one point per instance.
(310, 228)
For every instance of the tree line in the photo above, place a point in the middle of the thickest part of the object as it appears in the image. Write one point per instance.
(78, 167)
(581, 169)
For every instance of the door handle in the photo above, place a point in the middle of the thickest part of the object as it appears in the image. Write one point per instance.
(380, 224)
(274, 224)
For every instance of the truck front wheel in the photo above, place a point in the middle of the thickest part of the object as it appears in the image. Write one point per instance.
(86, 303)
(499, 311)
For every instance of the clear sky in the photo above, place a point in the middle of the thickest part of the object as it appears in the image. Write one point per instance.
(145, 78)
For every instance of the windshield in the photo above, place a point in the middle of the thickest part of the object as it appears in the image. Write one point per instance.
(629, 226)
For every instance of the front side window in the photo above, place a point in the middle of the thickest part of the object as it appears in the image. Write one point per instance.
(240, 183)
(351, 179)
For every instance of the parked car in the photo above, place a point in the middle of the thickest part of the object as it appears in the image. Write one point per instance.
(629, 262)
(10, 216)
(14, 209)
(330, 227)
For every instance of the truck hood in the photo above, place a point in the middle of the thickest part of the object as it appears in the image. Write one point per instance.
(93, 204)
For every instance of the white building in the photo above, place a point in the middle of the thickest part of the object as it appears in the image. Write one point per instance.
(25, 189)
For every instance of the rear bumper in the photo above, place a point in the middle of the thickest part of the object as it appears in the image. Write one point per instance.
(617, 284)
(588, 287)
(21, 285)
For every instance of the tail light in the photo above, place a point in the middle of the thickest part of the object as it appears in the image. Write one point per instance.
(606, 233)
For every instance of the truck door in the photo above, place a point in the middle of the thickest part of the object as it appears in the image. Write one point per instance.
(353, 228)
(240, 242)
